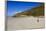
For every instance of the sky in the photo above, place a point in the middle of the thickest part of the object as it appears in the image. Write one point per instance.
(14, 7)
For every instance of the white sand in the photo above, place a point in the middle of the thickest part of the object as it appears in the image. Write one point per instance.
(21, 23)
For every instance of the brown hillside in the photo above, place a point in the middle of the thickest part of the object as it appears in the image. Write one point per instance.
(37, 11)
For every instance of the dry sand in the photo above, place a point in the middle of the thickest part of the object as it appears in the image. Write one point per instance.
(23, 23)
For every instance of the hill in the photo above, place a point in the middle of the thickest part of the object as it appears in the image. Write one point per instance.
(37, 11)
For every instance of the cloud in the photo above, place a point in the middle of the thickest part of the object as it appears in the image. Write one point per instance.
(16, 12)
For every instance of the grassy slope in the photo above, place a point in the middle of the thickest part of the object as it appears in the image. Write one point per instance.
(37, 11)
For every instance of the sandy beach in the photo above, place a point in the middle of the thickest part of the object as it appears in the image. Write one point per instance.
(24, 23)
